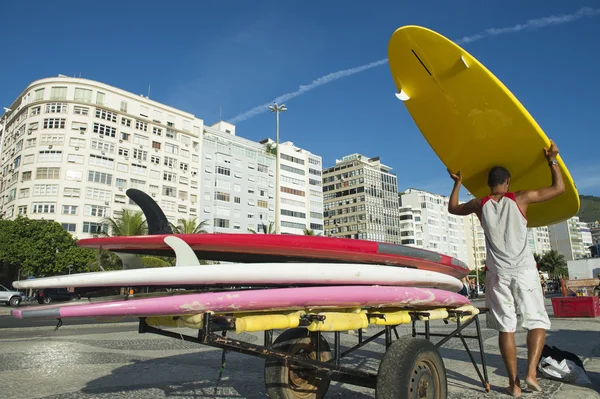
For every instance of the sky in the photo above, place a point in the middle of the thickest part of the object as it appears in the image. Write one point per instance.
(326, 60)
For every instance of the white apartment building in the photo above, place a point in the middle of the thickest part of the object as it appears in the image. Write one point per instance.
(440, 231)
(594, 232)
(300, 189)
(361, 200)
(539, 240)
(586, 236)
(566, 237)
(238, 182)
(475, 242)
(72, 147)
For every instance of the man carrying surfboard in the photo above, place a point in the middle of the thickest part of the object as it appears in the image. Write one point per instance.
(511, 273)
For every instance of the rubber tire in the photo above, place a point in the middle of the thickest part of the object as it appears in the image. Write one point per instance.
(399, 366)
(14, 301)
(277, 373)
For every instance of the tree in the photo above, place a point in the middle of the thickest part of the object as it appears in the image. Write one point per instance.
(554, 263)
(189, 226)
(265, 229)
(310, 232)
(39, 248)
(129, 223)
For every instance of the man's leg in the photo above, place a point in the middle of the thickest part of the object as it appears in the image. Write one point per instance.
(530, 300)
(535, 344)
(502, 316)
(508, 349)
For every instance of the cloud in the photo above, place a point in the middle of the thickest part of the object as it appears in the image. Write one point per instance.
(537, 23)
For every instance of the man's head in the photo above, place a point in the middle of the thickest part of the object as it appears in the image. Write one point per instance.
(499, 179)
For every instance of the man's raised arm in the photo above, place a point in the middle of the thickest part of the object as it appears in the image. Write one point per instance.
(546, 193)
(453, 206)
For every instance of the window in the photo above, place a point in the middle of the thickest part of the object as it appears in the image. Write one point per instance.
(98, 160)
(157, 131)
(222, 223)
(100, 177)
(45, 190)
(72, 192)
(28, 159)
(77, 110)
(139, 139)
(105, 130)
(69, 209)
(222, 170)
(156, 145)
(24, 193)
(126, 122)
(75, 142)
(30, 143)
(58, 93)
(56, 108)
(141, 125)
(168, 176)
(169, 191)
(97, 194)
(103, 146)
(106, 115)
(121, 183)
(22, 210)
(123, 106)
(171, 162)
(139, 169)
(221, 196)
(50, 156)
(124, 152)
(155, 160)
(141, 155)
(38, 95)
(46, 173)
(83, 95)
(171, 134)
(43, 207)
(26, 176)
(100, 98)
(74, 175)
(95, 228)
(54, 123)
(70, 227)
(35, 111)
(96, 210)
(183, 166)
(262, 204)
(171, 148)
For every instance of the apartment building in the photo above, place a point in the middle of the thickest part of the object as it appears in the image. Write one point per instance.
(440, 231)
(238, 182)
(594, 232)
(539, 240)
(474, 242)
(300, 189)
(566, 237)
(361, 200)
(72, 147)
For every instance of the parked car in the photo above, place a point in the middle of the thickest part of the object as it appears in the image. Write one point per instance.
(48, 295)
(11, 297)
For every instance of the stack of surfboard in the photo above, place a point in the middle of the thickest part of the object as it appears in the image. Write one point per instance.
(295, 275)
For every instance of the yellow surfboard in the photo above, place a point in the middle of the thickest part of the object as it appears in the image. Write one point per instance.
(472, 121)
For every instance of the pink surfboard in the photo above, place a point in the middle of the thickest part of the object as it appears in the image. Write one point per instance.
(256, 300)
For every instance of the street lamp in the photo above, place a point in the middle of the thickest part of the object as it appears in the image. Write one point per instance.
(277, 109)
(70, 266)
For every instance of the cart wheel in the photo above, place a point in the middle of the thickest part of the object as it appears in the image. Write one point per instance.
(411, 368)
(293, 381)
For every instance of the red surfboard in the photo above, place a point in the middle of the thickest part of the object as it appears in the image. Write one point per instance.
(249, 248)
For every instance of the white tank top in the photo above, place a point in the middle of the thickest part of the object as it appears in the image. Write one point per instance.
(505, 228)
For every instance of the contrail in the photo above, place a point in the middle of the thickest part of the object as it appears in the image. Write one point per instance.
(537, 23)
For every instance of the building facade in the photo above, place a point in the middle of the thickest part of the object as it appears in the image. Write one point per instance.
(238, 182)
(361, 200)
(72, 147)
(440, 231)
(300, 189)
(566, 238)
(539, 240)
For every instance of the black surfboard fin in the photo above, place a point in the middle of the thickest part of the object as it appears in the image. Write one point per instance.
(155, 217)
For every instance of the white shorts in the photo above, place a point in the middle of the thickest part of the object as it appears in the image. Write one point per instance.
(509, 292)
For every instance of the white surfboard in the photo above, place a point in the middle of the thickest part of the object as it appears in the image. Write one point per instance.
(314, 274)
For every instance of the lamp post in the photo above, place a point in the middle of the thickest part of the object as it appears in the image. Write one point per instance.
(277, 109)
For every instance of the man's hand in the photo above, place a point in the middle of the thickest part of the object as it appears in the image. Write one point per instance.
(457, 177)
(551, 152)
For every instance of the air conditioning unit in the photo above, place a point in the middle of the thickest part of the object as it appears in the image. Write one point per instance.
(76, 148)
(50, 146)
(120, 141)
(106, 202)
